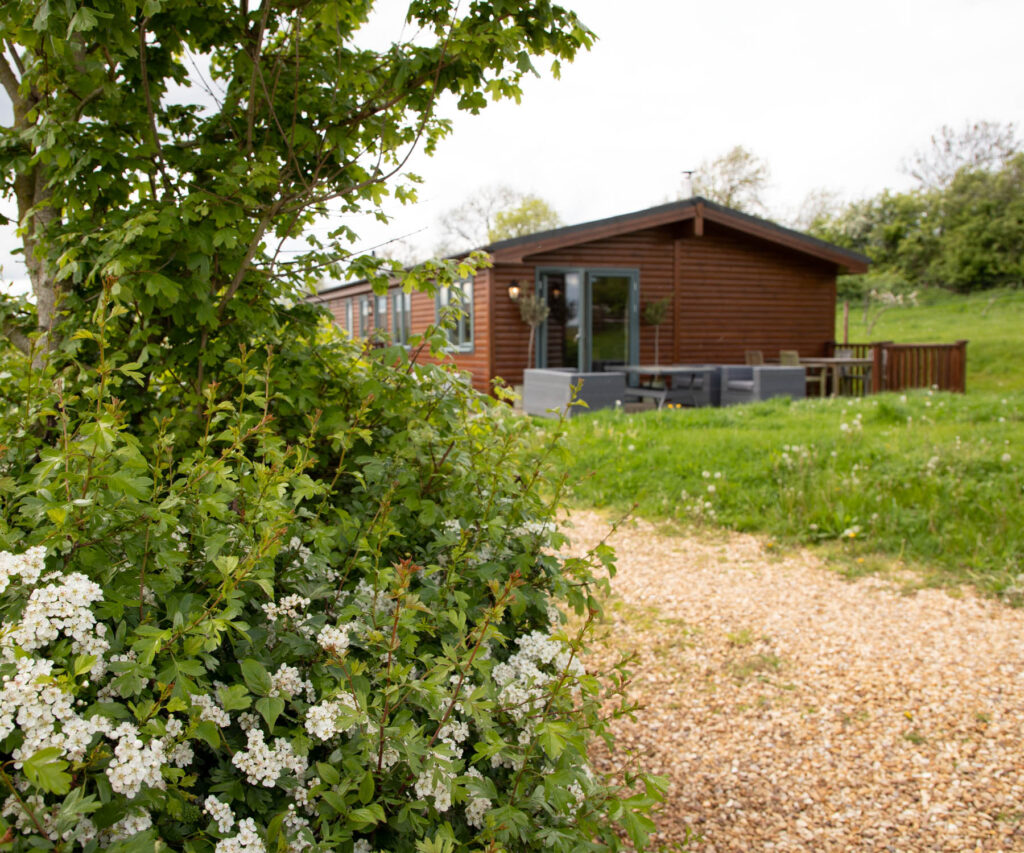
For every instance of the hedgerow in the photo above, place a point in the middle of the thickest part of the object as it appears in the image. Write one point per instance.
(253, 636)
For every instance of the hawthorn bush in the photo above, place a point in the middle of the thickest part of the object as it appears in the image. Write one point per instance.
(263, 588)
(323, 617)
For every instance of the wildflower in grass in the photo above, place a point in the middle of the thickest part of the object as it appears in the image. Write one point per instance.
(1005, 458)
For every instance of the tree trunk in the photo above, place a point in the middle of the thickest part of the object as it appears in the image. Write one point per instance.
(34, 217)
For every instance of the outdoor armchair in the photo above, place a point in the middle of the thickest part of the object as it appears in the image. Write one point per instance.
(751, 383)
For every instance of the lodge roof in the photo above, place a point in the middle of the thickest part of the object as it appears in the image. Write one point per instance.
(517, 249)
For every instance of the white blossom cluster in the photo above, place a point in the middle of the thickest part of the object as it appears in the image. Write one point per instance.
(289, 681)
(31, 701)
(61, 609)
(453, 733)
(128, 826)
(322, 719)
(521, 678)
(534, 528)
(334, 639)
(262, 764)
(578, 796)
(24, 818)
(476, 807)
(221, 813)
(289, 607)
(246, 841)
(301, 551)
(210, 710)
(379, 601)
(297, 830)
(436, 781)
(135, 763)
(28, 566)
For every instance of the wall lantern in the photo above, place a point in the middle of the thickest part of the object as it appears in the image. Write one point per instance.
(514, 291)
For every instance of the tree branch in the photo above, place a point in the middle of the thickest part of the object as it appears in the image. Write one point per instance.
(11, 83)
(250, 253)
(13, 48)
(256, 58)
(17, 337)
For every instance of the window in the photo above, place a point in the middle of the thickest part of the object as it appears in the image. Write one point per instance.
(348, 316)
(459, 295)
(401, 325)
(380, 313)
(364, 315)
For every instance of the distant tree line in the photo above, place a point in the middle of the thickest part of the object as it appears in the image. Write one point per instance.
(961, 227)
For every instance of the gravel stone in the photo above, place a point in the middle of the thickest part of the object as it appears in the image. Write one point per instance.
(794, 710)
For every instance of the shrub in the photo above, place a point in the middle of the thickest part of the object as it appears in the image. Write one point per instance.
(318, 611)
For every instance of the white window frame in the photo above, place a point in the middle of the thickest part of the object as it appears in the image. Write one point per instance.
(380, 312)
(401, 316)
(364, 315)
(460, 338)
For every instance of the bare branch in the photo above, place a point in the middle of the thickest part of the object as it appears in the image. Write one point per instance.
(145, 86)
(12, 85)
(250, 253)
(16, 56)
(257, 50)
(17, 337)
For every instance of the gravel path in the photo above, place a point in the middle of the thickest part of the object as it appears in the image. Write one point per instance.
(794, 710)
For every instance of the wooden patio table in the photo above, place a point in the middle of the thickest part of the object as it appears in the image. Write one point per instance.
(678, 378)
(836, 365)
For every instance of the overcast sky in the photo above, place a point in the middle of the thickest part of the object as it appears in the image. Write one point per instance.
(831, 94)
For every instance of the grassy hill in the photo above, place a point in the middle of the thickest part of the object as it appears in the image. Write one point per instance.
(992, 321)
(926, 481)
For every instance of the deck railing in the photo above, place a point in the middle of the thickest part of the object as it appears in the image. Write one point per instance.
(898, 367)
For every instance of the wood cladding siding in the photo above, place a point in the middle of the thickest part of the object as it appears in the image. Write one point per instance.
(738, 294)
(730, 290)
(423, 313)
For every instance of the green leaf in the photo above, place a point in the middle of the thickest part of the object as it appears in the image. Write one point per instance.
(328, 773)
(270, 708)
(83, 663)
(207, 730)
(234, 698)
(366, 816)
(551, 737)
(256, 677)
(45, 770)
(366, 788)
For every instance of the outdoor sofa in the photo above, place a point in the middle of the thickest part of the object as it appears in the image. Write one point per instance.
(551, 388)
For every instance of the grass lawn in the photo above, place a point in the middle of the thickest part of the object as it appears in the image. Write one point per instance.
(992, 322)
(933, 479)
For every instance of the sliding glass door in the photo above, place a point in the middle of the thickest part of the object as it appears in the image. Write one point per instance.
(592, 323)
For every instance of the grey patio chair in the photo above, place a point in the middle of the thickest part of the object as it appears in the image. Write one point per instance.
(750, 383)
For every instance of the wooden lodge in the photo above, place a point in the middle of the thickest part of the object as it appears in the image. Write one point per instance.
(733, 283)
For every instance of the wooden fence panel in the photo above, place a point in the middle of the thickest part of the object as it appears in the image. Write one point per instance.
(898, 367)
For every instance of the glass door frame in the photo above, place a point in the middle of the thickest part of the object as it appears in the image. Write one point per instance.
(587, 304)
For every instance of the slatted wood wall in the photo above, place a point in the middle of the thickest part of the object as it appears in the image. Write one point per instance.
(423, 313)
(731, 292)
(739, 293)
